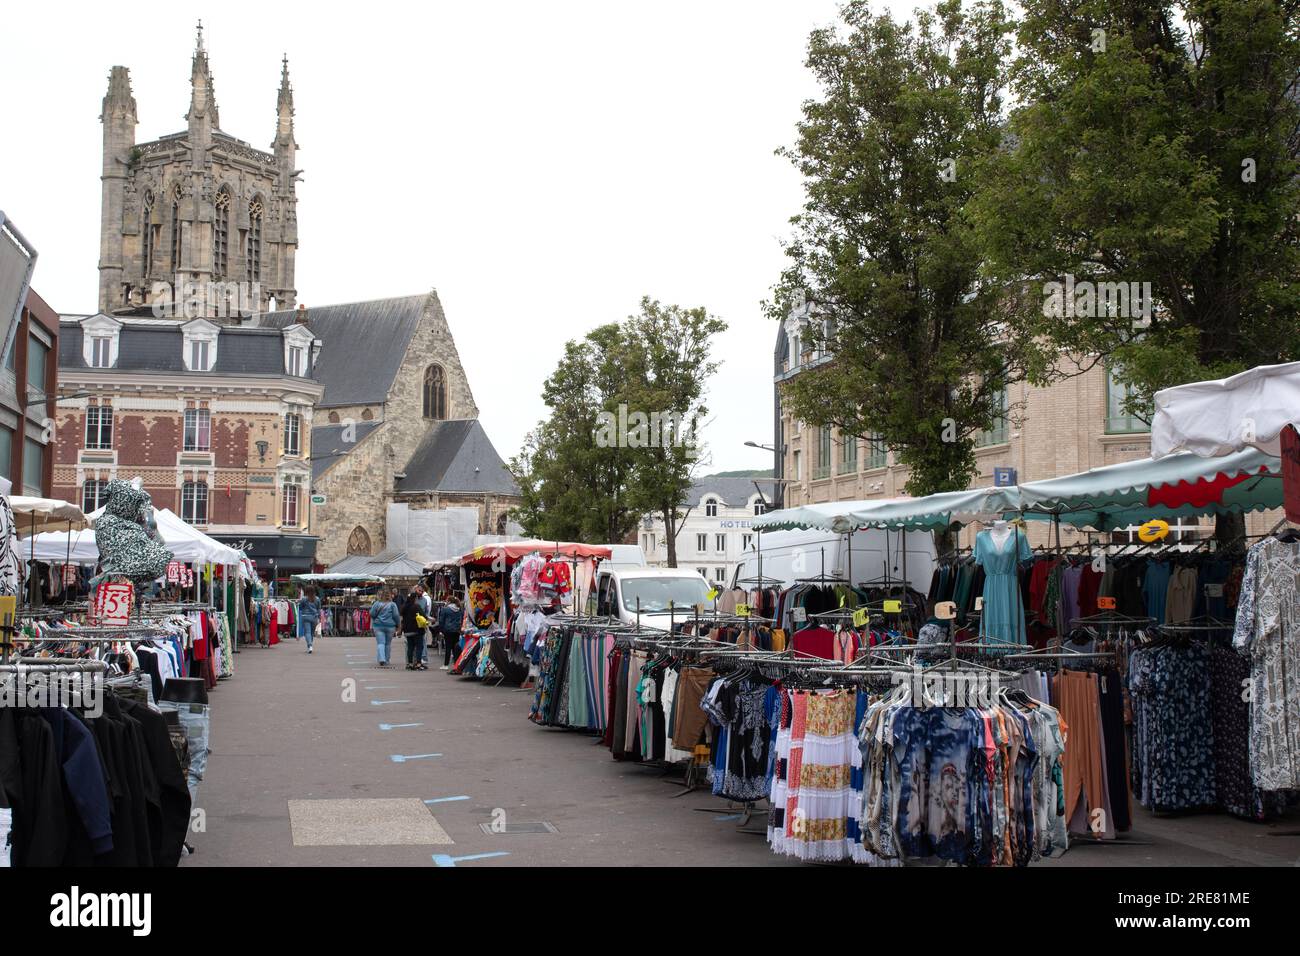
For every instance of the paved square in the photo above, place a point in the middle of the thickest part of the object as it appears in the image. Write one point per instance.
(404, 821)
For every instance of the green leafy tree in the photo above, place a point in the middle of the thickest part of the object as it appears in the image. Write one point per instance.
(573, 488)
(626, 404)
(1156, 143)
(670, 368)
(918, 350)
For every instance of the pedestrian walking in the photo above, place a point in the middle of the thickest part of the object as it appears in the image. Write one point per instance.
(413, 623)
(309, 615)
(384, 618)
(426, 608)
(449, 620)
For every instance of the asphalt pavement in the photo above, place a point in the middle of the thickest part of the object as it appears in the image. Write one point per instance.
(327, 760)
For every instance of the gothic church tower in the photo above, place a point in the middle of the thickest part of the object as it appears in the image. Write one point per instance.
(196, 214)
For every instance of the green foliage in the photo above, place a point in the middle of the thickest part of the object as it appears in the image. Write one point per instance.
(577, 484)
(882, 258)
(1156, 142)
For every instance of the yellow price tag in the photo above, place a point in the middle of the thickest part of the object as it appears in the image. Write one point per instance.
(712, 595)
(841, 600)
(742, 610)
(893, 607)
(860, 618)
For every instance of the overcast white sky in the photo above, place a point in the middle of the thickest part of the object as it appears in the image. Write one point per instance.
(541, 164)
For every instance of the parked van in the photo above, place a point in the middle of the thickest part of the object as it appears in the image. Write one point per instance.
(660, 594)
(864, 557)
(622, 556)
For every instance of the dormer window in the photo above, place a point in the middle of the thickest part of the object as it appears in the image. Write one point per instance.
(297, 340)
(99, 341)
(200, 345)
(710, 507)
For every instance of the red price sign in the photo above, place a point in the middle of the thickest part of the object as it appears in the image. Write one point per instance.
(113, 604)
(174, 570)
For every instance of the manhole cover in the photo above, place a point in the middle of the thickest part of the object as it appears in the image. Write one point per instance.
(496, 828)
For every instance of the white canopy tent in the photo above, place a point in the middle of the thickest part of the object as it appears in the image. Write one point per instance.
(1226, 415)
(45, 514)
(185, 542)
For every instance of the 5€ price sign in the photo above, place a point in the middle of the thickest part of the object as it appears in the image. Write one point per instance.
(113, 603)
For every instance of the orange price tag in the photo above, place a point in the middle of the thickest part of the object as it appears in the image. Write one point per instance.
(1106, 603)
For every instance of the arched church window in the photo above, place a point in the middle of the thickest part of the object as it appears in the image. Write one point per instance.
(146, 232)
(221, 233)
(435, 393)
(253, 254)
(359, 541)
(177, 196)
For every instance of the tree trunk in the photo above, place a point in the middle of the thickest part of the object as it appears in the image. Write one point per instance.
(945, 541)
(670, 529)
(1230, 533)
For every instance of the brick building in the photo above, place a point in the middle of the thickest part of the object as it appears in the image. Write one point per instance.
(216, 421)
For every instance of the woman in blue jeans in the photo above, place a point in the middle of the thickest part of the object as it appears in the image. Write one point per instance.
(309, 615)
(384, 618)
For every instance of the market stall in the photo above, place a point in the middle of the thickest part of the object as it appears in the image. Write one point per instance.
(345, 602)
(511, 586)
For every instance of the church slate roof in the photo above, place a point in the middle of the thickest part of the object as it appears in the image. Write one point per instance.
(160, 348)
(328, 444)
(457, 457)
(365, 343)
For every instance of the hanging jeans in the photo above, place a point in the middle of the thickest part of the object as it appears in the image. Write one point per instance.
(383, 643)
(415, 647)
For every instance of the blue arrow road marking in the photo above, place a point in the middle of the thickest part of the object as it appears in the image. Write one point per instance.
(445, 799)
(442, 859)
(376, 703)
(402, 758)
(395, 726)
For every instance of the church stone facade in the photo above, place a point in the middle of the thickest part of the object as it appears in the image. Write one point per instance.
(196, 218)
(201, 228)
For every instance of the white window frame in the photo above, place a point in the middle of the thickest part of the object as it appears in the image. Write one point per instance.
(701, 542)
(710, 507)
(198, 414)
(95, 432)
(100, 485)
(292, 429)
(290, 495)
(720, 543)
(190, 503)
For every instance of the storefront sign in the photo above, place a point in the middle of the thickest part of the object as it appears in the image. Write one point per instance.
(1153, 530)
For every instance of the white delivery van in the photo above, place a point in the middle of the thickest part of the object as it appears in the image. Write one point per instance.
(622, 556)
(863, 557)
(661, 594)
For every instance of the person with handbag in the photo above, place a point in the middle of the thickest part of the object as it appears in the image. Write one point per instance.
(309, 615)
(413, 625)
